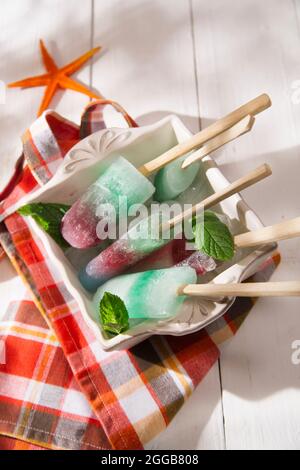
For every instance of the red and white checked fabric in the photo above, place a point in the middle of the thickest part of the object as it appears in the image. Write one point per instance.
(40, 398)
(10, 443)
(58, 388)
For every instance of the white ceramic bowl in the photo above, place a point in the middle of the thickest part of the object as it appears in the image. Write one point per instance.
(82, 166)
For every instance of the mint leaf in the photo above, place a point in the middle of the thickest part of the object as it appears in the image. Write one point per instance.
(213, 237)
(113, 314)
(49, 217)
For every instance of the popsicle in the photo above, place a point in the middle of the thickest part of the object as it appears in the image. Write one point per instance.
(172, 286)
(158, 294)
(139, 292)
(172, 180)
(177, 176)
(137, 244)
(79, 226)
(133, 246)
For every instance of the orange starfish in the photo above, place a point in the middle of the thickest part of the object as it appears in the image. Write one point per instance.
(57, 78)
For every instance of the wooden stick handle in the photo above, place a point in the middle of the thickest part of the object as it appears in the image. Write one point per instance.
(255, 289)
(253, 107)
(282, 231)
(242, 183)
(243, 126)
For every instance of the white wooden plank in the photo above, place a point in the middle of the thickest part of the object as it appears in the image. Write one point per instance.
(243, 49)
(148, 64)
(66, 29)
(148, 67)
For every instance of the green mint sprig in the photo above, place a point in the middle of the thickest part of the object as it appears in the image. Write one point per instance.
(48, 216)
(213, 237)
(113, 314)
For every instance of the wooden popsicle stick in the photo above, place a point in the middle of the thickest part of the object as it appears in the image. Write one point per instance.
(274, 233)
(243, 126)
(255, 289)
(253, 107)
(251, 178)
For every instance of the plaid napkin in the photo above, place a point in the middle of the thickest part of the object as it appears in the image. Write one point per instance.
(9, 443)
(58, 388)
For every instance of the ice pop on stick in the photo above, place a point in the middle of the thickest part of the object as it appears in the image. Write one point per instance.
(133, 288)
(79, 226)
(177, 176)
(133, 246)
(158, 294)
(137, 243)
(151, 294)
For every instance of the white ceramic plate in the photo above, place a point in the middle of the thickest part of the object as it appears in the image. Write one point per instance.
(81, 167)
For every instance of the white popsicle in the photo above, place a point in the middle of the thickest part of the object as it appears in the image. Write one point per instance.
(151, 294)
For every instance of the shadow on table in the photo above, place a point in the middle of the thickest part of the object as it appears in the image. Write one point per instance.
(193, 123)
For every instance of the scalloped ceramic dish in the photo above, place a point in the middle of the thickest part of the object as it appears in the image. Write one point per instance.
(82, 166)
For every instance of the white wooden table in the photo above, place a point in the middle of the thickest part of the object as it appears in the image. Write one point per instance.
(198, 59)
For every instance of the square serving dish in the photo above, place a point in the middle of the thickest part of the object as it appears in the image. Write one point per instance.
(82, 166)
